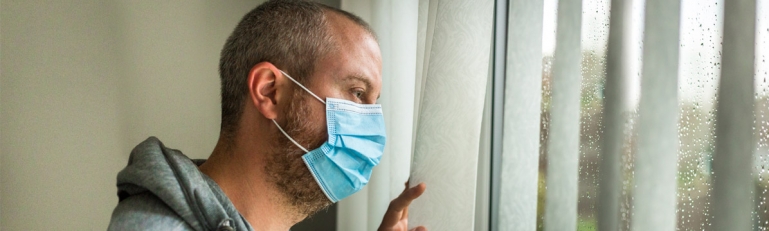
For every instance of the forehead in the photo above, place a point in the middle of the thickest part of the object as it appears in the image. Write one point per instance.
(355, 56)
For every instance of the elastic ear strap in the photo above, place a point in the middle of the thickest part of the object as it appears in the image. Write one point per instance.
(289, 137)
(302, 86)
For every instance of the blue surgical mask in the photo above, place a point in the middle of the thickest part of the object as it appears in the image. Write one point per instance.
(356, 138)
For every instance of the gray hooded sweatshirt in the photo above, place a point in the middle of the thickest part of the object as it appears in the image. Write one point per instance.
(162, 189)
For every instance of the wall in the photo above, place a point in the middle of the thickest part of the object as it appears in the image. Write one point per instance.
(82, 82)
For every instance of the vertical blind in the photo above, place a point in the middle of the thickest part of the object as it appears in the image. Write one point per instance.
(563, 144)
(516, 158)
(655, 164)
(656, 200)
(669, 151)
(614, 116)
(732, 160)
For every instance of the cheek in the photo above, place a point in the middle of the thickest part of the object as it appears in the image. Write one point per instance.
(318, 117)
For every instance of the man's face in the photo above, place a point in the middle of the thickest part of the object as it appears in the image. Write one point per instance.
(351, 72)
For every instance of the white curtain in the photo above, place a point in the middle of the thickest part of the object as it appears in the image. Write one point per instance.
(425, 85)
(395, 23)
(455, 68)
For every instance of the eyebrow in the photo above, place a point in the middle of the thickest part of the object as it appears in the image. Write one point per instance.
(360, 78)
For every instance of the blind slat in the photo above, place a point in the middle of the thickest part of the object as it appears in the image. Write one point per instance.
(732, 160)
(520, 142)
(614, 118)
(563, 141)
(657, 157)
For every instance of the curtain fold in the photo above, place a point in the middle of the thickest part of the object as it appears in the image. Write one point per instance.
(483, 181)
(450, 113)
(425, 30)
(656, 161)
(733, 181)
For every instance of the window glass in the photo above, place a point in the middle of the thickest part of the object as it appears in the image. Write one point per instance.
(761, 163)
(700, 68)
(699, 72)
(595, 22)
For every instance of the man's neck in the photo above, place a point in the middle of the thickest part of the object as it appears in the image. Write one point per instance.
(246, 184)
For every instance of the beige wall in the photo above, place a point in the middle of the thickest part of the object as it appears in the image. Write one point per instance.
(82, 82)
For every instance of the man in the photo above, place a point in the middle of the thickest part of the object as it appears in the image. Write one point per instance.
(300, 130)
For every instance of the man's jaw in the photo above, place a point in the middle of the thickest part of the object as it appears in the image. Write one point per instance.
(285, 166)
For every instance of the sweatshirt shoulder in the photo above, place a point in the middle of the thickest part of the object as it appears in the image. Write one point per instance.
(145, 212)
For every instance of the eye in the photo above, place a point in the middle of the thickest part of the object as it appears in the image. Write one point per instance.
(357, 92)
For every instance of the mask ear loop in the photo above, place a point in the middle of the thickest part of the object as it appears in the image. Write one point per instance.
(289, 137)
(300, 85)
(308, 91)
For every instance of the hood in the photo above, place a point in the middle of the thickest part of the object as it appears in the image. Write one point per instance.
(176, 180)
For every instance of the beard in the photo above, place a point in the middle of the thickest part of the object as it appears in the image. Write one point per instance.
(285, 166)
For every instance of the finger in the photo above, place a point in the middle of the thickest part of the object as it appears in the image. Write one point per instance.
(420, 228)
(406, 210)
(407, 196)
(421, 187)
(405, 213)
(395, 211)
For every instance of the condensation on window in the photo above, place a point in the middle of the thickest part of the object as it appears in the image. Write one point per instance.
(700, 68)
(595, 35)
(595, 23)
(548, 47)
(699, 72)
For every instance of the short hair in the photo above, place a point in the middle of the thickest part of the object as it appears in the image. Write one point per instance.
(291, 34)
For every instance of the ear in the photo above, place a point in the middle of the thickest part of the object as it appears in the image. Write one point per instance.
(263, 90)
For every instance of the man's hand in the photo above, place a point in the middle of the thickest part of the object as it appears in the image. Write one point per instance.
(397, 216)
